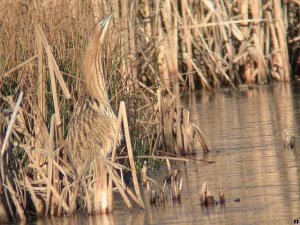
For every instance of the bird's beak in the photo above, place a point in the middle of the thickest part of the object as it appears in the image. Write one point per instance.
(104, 23)
(105, 20)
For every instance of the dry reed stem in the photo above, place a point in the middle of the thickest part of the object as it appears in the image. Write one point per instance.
(4, 179)
(50, 162)
(262, 64)
(17, 67)
(120, 188)
(147, 88)
(122, 117)
(213, 57)
(41, 81)
(40, 133)
(244, 11)
(53, 87)
(297, 1)
(10, 126)
(125, 188)
(13, 195)
(187, 131)
(3, 215)
(130, 154)
(201, 137)
(179, 144)
(256, 13)
(33, 196)
(281, 39)
(160, 119)
(49, 184)
(199, 73)
(223, 31)
(187, 38)
(72, 203)
(113, 156)
(229, 22)
(277, 60)
(52, 62)
(295, 39)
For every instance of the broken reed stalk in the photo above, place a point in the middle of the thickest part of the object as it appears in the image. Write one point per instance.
(113, 177)
(120, 188)
(8, 73)
(173, 117)
(49, 184)
(10, 126)
(5, 180)
(14, 196)
(52, 61)
(113, 158)
(53, 87)
(33, 196)
(199, 72)
(130, 153)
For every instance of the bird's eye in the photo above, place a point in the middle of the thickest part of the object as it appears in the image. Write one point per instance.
(101, 23)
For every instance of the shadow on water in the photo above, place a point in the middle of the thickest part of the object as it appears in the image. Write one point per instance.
(244, 134)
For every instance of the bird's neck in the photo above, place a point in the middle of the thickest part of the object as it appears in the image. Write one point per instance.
(93, 79)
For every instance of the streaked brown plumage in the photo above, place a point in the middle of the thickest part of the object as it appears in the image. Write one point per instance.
(93, 125)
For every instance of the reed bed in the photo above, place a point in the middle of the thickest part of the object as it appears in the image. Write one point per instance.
(155, 51)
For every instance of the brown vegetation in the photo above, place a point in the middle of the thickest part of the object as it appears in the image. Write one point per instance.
(155, 50)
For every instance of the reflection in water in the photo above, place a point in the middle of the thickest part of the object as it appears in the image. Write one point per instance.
(79, 220)
(244, 134)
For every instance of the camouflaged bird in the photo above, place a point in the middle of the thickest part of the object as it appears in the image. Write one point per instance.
(93, 126)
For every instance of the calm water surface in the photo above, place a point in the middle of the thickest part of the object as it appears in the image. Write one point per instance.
(243, 130)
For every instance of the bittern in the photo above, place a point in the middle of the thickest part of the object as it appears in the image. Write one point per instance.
(93, 126)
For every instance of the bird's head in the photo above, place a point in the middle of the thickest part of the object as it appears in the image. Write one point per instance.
(102, 26)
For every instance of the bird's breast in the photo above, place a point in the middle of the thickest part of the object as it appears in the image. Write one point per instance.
(92, 130)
